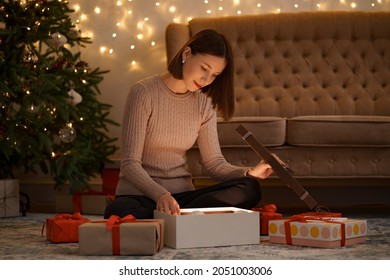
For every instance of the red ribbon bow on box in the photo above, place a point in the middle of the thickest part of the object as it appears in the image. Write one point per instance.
(268, 208)
(74, 216)
(267, 213)
(113, 223)
(115, 220)
(65, 216)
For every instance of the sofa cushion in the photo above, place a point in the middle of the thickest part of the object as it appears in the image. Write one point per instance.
(363, 131)
(310, 63)
(271, 131)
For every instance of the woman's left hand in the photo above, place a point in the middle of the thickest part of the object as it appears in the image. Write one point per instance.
(263, 169)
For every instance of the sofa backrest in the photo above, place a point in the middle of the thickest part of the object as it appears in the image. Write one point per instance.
(309, 63)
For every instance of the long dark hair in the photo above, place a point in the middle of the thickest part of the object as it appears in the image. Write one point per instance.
(221, 90)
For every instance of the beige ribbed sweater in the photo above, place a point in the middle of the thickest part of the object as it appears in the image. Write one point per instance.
(158, 128)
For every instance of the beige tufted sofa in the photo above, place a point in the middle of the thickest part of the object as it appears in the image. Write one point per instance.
(314, 87)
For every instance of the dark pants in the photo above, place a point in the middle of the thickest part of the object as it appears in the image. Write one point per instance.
(243, 193)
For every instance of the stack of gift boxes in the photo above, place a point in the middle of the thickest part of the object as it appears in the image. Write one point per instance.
(130, 236)
(203, 227)
(113, 236)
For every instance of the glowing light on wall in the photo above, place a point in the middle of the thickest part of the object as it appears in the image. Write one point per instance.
(135, 28)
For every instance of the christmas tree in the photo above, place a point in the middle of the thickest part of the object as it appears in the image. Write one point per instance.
(50, 118)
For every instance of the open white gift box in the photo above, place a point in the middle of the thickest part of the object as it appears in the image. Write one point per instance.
(210, 227)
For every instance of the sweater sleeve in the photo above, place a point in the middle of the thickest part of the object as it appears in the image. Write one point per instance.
(135, 118)
(212, 158)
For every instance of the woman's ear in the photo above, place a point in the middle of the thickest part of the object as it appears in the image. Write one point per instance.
(186, 52)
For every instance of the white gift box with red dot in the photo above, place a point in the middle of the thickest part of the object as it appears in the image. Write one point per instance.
(317, 233)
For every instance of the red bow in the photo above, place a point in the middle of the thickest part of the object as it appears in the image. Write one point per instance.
(115, 220)
(74, 216)
(268, 208)
(113, 224)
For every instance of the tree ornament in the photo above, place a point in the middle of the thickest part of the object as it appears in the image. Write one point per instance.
(82, 65)
(74, 33)
(67, 133)
(75, 97)
(29, 59)
(57, 40)
(61, 63)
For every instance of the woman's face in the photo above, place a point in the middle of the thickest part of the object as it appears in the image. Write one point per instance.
(201, 70)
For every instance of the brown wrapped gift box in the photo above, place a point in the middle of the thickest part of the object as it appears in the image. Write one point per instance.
(88, 203)
(127, 237)
(9, 198)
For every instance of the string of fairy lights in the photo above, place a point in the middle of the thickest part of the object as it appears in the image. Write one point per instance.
(122, 27)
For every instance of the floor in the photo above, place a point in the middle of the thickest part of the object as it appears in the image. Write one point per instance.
(21, 238)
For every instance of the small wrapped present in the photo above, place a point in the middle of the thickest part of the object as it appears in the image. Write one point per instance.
(63, 228)
(9, 198)
(90, 202)
(320, 232)
(121, 236)
(267, 213)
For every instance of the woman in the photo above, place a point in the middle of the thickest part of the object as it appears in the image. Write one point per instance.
(164, 116)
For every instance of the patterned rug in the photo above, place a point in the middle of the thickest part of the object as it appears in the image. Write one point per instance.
(21, 239)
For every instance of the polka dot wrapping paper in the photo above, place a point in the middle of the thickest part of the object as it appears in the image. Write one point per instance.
(318, 233)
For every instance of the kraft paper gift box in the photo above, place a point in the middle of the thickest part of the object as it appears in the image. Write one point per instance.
(92, 203)
(121, 236)
(63, 228)
(9, 198)
(328, 233)
(210, 227)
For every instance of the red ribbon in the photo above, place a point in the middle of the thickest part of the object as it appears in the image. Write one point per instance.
(74, 216)
(268, 208)
(301, 219)
(113, 224)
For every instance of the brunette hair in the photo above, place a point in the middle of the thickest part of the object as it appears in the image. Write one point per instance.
(221, 90)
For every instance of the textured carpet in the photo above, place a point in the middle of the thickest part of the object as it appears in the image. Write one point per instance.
(21, 239)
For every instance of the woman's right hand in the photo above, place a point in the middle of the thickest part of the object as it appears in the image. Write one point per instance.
(168, 204)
